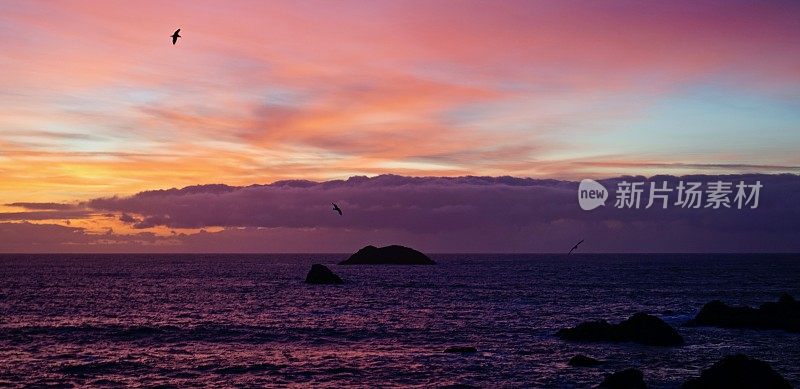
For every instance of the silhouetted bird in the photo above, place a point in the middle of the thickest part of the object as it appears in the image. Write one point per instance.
(337, 209)
(175, 36)
(575, 247)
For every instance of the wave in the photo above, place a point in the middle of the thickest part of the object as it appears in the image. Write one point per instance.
(170, 334)
(103, 368)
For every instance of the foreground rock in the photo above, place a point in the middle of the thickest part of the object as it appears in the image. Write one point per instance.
(321, 275)
(583, 361)
(640, 328)
(738, 371)
(389, 255)
(625, 379)
(783, 315)
(461, 349)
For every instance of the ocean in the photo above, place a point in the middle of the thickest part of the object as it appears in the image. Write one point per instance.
(249, 320)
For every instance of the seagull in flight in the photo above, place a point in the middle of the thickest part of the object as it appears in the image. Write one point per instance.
(337, 209)
(175, 36)
(575, 247)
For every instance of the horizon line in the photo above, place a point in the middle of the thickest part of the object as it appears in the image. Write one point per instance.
(431, 253)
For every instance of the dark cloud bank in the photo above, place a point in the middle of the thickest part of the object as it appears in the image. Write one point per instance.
(464, 214)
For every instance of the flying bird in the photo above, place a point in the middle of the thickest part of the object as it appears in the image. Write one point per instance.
(575, 247)
(175, 36)
(337, 209)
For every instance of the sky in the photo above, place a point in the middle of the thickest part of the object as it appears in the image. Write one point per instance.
(96, 103)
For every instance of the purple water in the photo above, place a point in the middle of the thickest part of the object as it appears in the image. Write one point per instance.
(222, 320)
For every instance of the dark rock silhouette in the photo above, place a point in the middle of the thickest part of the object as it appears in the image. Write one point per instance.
(740, 372)
(782, 315)
(625, 379)
(461, 349)
(389, 255)
(640, 328)
(583, 361)
(320, 274)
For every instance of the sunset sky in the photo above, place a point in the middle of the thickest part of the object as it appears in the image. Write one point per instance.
(96, 102)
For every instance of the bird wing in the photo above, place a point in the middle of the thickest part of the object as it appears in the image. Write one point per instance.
(174, 39)
(177, 31)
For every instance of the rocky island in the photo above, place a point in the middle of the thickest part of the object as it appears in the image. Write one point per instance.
(321, 275)
(781, 315)
(389, 255)
(738, 371)
(639, 328)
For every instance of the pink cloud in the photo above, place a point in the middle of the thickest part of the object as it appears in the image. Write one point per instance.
(330, 89)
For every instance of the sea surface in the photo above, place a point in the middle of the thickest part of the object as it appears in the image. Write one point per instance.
(249, 320)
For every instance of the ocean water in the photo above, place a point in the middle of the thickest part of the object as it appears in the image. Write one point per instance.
(249, 320)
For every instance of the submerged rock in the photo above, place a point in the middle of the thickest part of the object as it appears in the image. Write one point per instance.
(625, 379)
(738, 371)
(640, 328)
(461, 349)
(588, 331)
(389, 255)
(583, 361)
(320, 274)
(782, 315)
